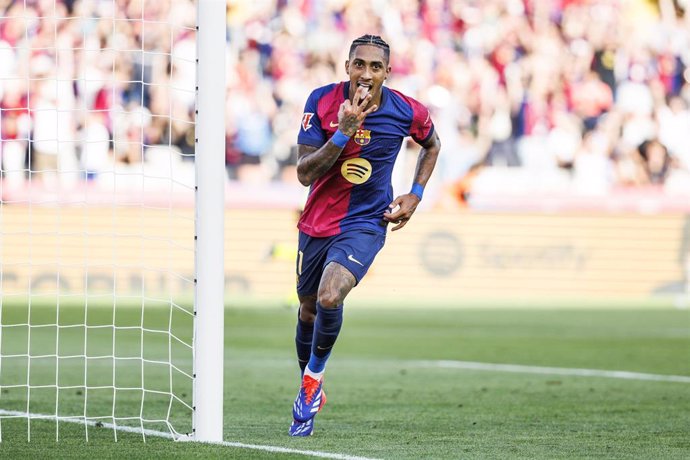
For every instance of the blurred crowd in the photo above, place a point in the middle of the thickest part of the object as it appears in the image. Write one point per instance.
(90, 88)
(534, 96)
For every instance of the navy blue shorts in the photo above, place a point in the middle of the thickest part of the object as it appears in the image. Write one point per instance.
(354, 250)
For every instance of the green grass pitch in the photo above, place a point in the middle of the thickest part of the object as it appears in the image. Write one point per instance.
(385, 402)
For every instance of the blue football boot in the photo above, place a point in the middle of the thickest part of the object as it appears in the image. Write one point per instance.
(309, 399)
(298, 428)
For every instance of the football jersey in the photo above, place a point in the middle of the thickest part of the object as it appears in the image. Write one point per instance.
(356, 191)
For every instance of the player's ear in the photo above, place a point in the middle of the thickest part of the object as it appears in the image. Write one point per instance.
(347, 67)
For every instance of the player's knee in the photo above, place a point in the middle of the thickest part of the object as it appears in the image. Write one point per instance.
(307, 308)
(336, 283)
(307, 315)
(330, 299)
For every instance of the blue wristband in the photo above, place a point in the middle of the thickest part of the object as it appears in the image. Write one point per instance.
(418, 190)
(340, 139)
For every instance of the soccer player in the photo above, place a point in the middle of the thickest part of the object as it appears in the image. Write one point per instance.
(350, 136)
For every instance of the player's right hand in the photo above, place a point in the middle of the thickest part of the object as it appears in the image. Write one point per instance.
(351, 116)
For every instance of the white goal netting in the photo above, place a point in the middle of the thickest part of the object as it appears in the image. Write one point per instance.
(97, 124)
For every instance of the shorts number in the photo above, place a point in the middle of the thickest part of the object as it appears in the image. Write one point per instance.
(300, 257)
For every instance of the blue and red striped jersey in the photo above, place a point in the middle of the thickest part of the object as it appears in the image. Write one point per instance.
(356, 191)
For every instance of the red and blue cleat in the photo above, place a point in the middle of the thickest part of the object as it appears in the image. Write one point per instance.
(307, 405)
(308, 401)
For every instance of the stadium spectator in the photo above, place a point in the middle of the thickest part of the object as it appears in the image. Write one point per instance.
(527, 79)
(15, 126)
(96, 155)
(53, 156)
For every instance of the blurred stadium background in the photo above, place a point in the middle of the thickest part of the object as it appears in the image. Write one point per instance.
(564, 174)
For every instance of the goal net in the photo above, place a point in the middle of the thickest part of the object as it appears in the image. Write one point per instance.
(99, 232)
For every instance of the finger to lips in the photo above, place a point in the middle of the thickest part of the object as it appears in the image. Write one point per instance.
(362, 95)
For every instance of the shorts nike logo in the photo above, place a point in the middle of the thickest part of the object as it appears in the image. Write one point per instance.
(333, 125)
(351, 258)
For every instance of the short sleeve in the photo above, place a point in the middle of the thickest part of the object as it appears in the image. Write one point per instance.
(421, 127)
(310, 132)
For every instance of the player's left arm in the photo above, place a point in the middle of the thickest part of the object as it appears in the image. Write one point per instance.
(405, 205)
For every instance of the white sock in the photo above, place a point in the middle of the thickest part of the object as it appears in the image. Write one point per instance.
(315, 375)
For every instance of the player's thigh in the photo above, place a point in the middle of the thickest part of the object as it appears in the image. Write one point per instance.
(311, 259)
(336, 283)
(356, 250)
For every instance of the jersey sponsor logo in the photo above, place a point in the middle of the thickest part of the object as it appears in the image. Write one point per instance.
(362, 136)
(333, 125)
(306, 120)
(356, 170)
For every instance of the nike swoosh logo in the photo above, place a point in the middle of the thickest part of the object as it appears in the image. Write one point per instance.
(350, 258)
(323, 348)
(333, 125)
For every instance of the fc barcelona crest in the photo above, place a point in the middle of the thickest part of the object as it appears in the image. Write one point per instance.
(362, 136)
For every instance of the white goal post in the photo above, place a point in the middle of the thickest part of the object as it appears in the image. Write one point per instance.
(210, 205)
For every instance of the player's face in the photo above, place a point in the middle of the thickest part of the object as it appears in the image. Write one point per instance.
(367, 67)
